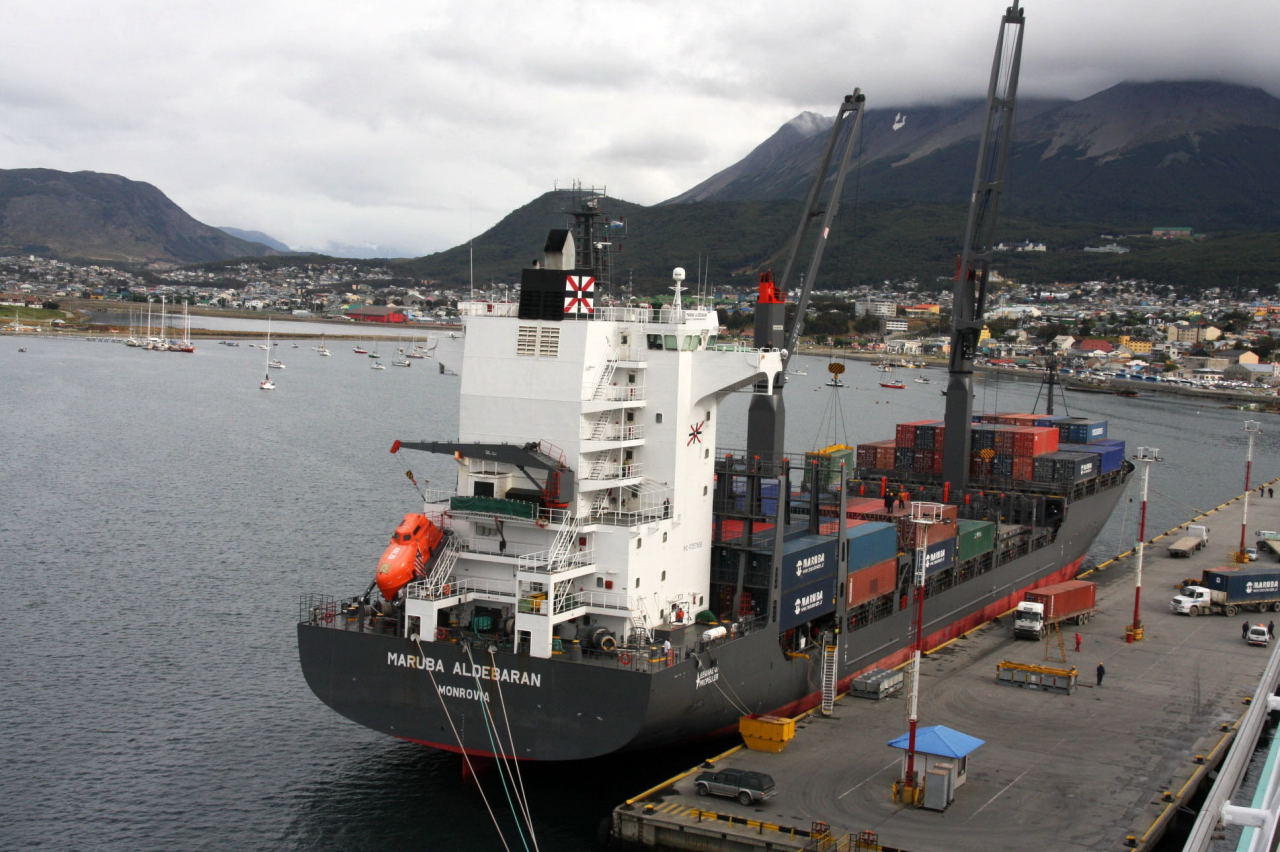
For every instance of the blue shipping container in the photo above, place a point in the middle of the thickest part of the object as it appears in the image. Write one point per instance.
(809, 559)
(1258, 584)
(1080, 430)
(803, 603)
(1110, 453)
(871, 543)
(940, 556)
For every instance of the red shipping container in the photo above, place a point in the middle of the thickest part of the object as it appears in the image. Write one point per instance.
(980, 467)
(1063, 600)
(1004, 442)
(922, 462)
(873, 581)
(884, 456)
(1035, 440)
(933, 533)
(905, 436)
(1024, 468)
(937, 461)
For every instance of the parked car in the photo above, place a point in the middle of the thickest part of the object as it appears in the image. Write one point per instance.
(1258, 635)
(745, 786)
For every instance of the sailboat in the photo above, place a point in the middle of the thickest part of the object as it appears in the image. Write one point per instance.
(185, 345)
(266, 383)
(322, 349)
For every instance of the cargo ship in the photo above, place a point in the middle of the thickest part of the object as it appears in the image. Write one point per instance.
(604, 577)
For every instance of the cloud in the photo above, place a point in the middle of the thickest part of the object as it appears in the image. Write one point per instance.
(420, 124)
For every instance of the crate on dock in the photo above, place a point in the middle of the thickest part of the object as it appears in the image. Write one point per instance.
(766, 733)
(876, 684)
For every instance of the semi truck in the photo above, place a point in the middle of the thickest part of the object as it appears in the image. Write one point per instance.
(1229, 590)
(1069, 602)
(1268, 543)
(1197, 536)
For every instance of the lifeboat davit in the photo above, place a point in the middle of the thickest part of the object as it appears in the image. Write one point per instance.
(407, 556)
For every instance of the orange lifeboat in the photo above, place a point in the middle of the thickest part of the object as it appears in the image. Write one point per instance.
(408, 554)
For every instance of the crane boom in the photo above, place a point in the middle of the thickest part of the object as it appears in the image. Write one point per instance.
(970, 290)
(766, 416)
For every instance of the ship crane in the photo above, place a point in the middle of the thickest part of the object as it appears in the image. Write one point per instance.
(766, 417)
(970, 290)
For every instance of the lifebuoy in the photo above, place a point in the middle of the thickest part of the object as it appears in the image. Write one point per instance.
(328, 616)
(445, 589)
(624, 658)
(441, 634)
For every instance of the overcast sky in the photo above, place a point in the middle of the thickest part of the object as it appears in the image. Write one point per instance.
(415, 125)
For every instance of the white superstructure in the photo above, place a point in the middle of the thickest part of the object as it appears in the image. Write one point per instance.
(628, 399)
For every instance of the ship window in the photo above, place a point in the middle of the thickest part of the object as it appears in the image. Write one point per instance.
(708, 417)
(657, 418)
(664, 573)
(704, 491)
(706, 453)
(599, 582)
(637, 582)
(711, 340)
(655, 341)
(670, 342)
(623, 339)
(664, 541)
(631, 378)
(631, 416)
(639, 542)
(690, 342)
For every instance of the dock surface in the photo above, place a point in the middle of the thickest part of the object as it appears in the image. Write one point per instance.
(1104, 767)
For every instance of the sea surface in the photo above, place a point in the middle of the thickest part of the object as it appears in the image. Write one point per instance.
(160, 516)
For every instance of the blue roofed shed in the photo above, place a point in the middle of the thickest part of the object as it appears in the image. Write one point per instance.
(938, 746)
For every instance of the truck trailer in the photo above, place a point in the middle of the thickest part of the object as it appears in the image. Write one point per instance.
(1228, 591)
(1197, 536)
(1069, 602)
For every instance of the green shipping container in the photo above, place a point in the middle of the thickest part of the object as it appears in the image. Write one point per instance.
(974, 538)
(493, 506)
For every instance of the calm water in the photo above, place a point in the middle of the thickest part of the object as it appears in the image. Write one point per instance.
(161, 515)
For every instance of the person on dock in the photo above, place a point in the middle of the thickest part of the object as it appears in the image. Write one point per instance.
(1271, 493)
(1271, 630)
(1079, 638)
(1102, 672)
(1244, 630)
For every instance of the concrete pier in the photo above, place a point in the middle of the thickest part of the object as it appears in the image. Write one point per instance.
(1104, 767)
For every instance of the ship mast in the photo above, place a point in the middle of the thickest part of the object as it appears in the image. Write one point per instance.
(970, 291)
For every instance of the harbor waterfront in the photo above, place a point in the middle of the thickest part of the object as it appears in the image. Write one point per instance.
(162, 517)
(1108, 766)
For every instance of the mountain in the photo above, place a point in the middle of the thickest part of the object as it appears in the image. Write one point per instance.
(94, 216)
(1135, 155)
(256, 237)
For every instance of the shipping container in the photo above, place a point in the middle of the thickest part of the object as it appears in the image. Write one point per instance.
(922, 462)
(1002, 465)
(1063, 600)
(903, 457)
(1044, 468)
(1049, 420)
(872, 581)
(877, 455)
(940, 555)
(871, 542)
(1244, 585)
(1035, 441)
(808, 559)
(1075, 467)
(974, 538)
(1023, 468)
(1081, 430)
(804, 603)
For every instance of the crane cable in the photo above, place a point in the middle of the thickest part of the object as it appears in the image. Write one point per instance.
(499, 760)
(466, 758)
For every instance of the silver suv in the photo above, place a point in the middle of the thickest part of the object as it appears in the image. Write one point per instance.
(747, 787)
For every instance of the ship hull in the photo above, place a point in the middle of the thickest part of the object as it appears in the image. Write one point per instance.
(461, 697)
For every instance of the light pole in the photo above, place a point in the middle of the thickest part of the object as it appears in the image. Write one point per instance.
(1251, 428)
(1145, 456)
(923, 515)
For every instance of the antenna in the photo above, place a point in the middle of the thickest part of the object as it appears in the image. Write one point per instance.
(677, 275)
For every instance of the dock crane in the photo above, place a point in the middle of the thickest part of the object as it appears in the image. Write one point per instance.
(970, 290)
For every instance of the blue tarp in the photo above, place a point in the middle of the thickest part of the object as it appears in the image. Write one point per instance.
(939, 740)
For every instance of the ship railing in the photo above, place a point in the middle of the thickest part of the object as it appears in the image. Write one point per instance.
(614, 471)
(613, 433)
(542, 561)
(428, 590)
(347, 614)
(618, 393)
(646, 315)
(488, 309)
(543, 517)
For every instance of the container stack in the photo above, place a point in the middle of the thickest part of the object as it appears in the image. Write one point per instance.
(873, 561)
(1006, 446)
(822, 467)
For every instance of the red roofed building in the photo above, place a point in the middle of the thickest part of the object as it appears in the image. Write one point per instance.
(1094, 344)
(372, 313)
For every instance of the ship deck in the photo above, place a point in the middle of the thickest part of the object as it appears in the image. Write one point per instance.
(1106, 766)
